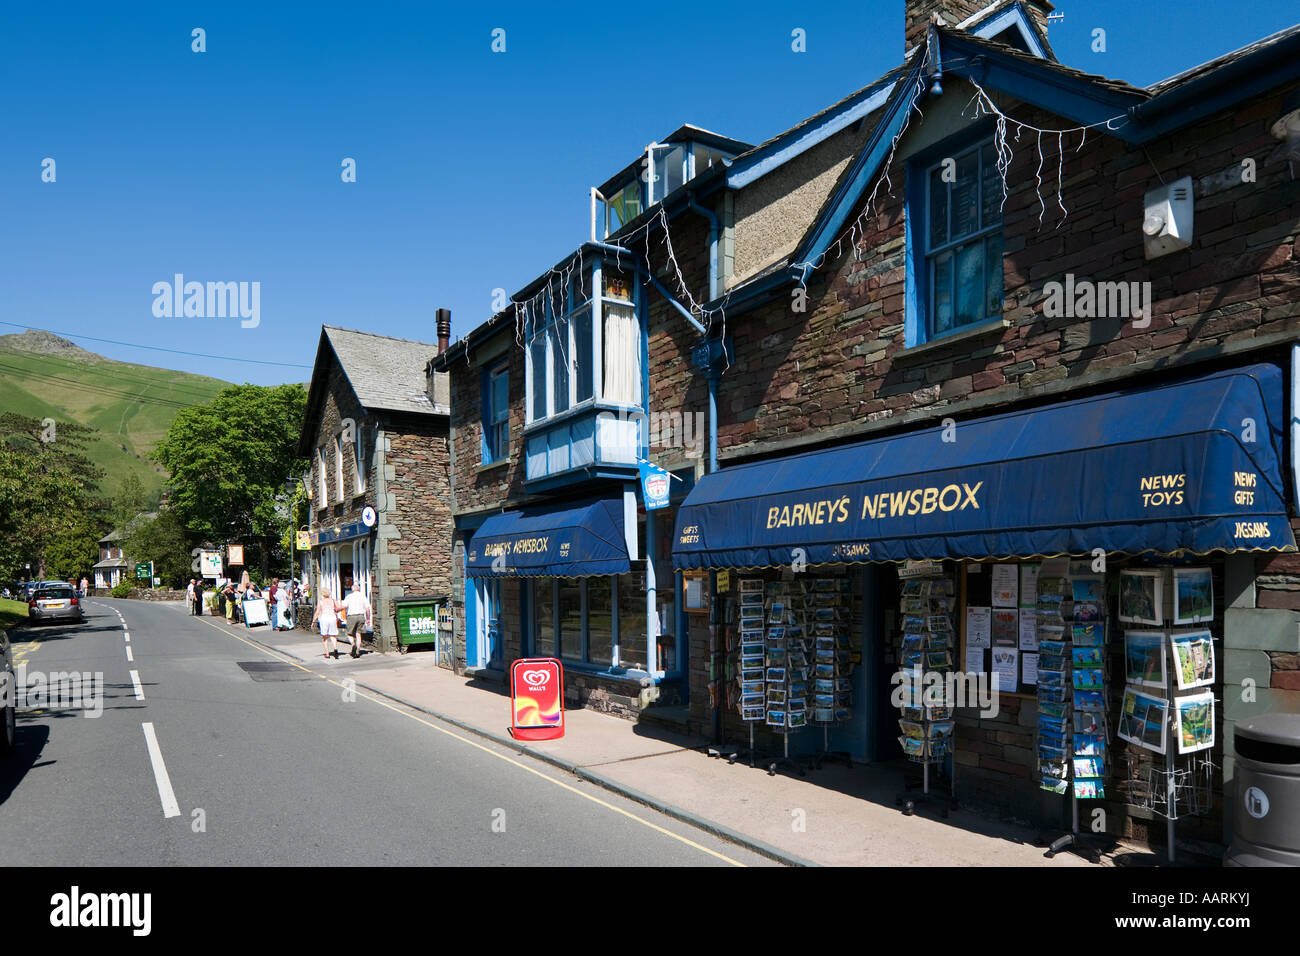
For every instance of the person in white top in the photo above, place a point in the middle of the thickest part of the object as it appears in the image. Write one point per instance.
(358, 614)
(327, 613)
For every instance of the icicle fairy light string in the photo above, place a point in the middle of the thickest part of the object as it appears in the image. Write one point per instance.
(984, 106)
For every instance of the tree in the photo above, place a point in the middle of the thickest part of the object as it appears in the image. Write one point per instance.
(47, 492)
(164, 541)
(229, 461)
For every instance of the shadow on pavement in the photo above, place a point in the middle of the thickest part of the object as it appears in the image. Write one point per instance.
(29, 743)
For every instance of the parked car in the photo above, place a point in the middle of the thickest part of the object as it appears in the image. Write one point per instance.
(55, 604)
(8, 698)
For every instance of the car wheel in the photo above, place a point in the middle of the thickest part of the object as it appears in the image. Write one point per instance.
(9, 732)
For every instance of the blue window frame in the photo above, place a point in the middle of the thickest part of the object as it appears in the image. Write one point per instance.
(956, 239)
(496, 414)
(577, 619)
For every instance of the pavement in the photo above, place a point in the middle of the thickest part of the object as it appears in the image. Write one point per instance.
(836, 816)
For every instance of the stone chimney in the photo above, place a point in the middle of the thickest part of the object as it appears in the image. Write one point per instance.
(917, 14)
(444, 329)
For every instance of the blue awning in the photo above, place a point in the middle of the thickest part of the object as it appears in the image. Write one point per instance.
(571, 541)
(1193, 465)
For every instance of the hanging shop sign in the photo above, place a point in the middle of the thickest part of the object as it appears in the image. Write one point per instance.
(655, 486)
(303, 540)
(368, 517)
(537, 699)
(235, 555)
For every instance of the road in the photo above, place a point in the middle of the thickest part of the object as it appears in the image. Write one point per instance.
(273, 765)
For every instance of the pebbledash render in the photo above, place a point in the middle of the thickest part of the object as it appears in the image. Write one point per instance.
(375, 433)
(891, 265)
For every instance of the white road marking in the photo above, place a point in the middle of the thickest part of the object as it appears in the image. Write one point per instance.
(128, 638)
(129, 656)
(165, 792)
(135, 679)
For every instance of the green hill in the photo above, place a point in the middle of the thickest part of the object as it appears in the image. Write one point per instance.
(131, 406)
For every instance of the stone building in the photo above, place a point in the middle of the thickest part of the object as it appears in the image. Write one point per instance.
(982, 266)
(375, 432)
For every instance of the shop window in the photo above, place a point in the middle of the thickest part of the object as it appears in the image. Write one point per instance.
(496, 415)
(600, 620)
(631, 623)
(544, 617)
(569, 615)
(956, 235)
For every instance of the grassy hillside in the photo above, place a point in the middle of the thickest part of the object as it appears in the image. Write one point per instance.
(130, 406)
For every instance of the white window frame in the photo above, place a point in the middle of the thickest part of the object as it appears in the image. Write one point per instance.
(324, 481)
(338, 468)
(358, 455)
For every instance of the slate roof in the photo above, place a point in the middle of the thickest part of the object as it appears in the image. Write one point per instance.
(388, 373)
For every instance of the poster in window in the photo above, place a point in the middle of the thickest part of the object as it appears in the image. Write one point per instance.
(1005, 585)
(1006, 626)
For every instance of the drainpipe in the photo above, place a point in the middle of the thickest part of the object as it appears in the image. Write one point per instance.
(708, 214)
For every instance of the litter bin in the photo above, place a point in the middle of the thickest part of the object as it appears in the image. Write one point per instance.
(1266, 819)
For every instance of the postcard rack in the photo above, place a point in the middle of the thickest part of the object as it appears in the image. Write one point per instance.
(1072, 692)
(1168, 707)
(825, 620)
(927, 646)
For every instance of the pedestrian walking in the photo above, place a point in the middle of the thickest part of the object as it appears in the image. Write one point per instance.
(189, 597)
(281, 595)
(85, 586)
(327, 613)
(358, 615)
(198, 597)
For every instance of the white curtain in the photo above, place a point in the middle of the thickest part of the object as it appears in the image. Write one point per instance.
(622, 356)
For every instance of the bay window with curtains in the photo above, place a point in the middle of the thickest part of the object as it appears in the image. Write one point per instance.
(585, 364)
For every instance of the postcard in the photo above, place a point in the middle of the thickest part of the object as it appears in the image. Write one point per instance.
(776, 675)
(752, 660)
(1193, 658)
(1087, 611)
(1088, 589)
(1089, 789)
(1194, 722)
(1053, 710)
(1087, 767)
(1090, 700)
(1144, 658)
(936, 660)
(824, 715)
(751, 686)
(1052, 647)
(1089, 679)
(752, 713)
(1088, 635)
(912, 747)
(1142, 720)
(1141, 597)
(1050, 677)
(751, 700)
(824, 686)
(775, 695)
(825, 670)
(798, 673)
(913, 589)
(1053, 785)
(843, 713)
(1086, 723)
(776, 718)
(1193, 596)
(1088, 745)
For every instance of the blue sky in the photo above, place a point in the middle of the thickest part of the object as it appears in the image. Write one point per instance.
(473, 167)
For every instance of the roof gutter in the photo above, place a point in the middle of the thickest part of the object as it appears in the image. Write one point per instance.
(1235, 81)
